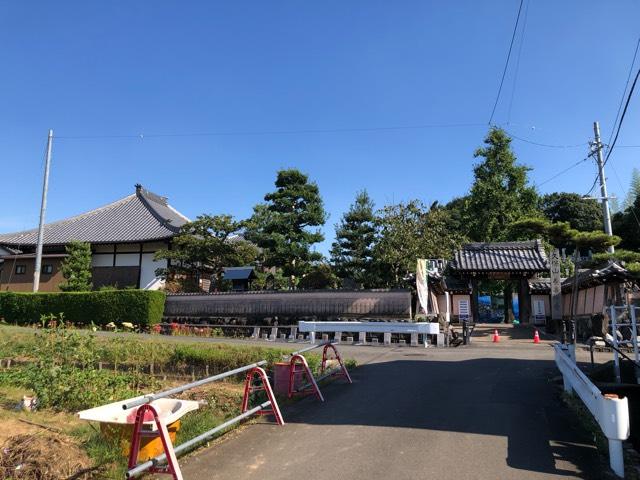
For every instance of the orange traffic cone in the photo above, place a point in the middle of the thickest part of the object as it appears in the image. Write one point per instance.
(536, 337)
(496, 337)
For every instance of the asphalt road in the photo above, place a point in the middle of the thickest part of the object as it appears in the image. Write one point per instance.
(487, 411)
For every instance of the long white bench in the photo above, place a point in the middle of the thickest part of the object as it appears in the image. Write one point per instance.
(362, 328)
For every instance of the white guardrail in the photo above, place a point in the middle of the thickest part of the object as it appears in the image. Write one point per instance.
(612, 414)
(362, 328)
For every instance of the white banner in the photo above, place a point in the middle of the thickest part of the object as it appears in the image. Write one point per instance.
(422, 284)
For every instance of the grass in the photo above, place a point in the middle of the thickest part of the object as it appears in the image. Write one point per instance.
(41, 357)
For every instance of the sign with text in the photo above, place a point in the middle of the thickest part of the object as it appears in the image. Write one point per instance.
(556, 286)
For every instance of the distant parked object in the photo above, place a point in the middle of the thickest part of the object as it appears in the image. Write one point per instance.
(124, 237)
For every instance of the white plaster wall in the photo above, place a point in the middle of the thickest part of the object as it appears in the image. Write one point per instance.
(149, 266)
(127, 259)
(103, 260)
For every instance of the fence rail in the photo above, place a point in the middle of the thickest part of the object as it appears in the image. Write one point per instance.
(612, 414)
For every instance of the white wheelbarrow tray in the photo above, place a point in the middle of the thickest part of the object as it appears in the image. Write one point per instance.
(169, 410)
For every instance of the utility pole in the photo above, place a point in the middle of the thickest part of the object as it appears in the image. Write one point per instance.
(43, 208)
(606, 213)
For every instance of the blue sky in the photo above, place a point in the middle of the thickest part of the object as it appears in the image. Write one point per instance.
(158, 67)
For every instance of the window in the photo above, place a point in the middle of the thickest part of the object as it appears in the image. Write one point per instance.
(21, 269)
(47, 269)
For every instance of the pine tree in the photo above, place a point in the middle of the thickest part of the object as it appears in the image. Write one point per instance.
(76, 268)
(351, 253)
(283, 226)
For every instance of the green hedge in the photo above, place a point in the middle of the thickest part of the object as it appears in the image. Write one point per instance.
(140, 307)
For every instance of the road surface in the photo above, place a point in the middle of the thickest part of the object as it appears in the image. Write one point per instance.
(486, 411)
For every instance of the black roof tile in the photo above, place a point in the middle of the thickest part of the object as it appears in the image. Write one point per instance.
(488, 257)
(142, 216)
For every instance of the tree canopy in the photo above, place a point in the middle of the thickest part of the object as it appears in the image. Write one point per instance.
(406, 232)
(352, 250)
(584, 214)
(500, 194)
(560, 234)
(283, 226)
(207, 245)
(626, 224)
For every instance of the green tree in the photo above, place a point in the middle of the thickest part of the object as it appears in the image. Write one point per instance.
(408, 231)
(582, 214)
(626, 224)
(206, 246)
(351, 252)
(319, 277)
(560, 234)
(634, 189)
(458, 215)
(500, 193)
(76, 268)
(283, 226)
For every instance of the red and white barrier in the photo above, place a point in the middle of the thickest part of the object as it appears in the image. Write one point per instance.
(256, 380)
(299, 372)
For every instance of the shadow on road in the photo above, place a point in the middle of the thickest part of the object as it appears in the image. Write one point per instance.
(492, 398)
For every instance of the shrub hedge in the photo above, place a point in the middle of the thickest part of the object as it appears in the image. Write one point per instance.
(143, 308)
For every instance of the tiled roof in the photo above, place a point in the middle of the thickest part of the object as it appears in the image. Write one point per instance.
(501, 257)
(540, 285)
(238, 273)
(612, 272)
(142, 216)
(589, 277)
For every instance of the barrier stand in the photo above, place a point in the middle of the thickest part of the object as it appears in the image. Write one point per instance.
(172, 468)
(340, 372)
(169, 455)
(250, 387)
(295, 373)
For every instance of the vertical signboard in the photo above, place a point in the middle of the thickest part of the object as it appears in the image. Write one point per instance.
(422, 284)
(556, 286)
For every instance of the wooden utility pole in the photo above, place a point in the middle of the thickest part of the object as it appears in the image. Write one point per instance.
(43, 209)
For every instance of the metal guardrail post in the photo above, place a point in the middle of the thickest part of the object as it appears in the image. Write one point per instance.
(634, 340)
(614, 334)
(611, 413)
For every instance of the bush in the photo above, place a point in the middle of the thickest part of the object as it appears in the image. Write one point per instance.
(143, 308)
(64, 375)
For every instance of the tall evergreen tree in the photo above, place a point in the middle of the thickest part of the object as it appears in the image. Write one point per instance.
(76, 268)
(283, 226)
(500, 194)
(634, 189)
(351, 253)
(626, 225)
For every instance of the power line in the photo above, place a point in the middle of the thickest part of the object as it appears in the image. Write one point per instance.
(562, 172)
(624, 112)
(506, 64)
(515, 74)
(546, 144)
(142, 136)
(626, 85)
(593, 185)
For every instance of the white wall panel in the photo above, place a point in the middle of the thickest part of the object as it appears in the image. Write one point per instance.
(149, 266)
